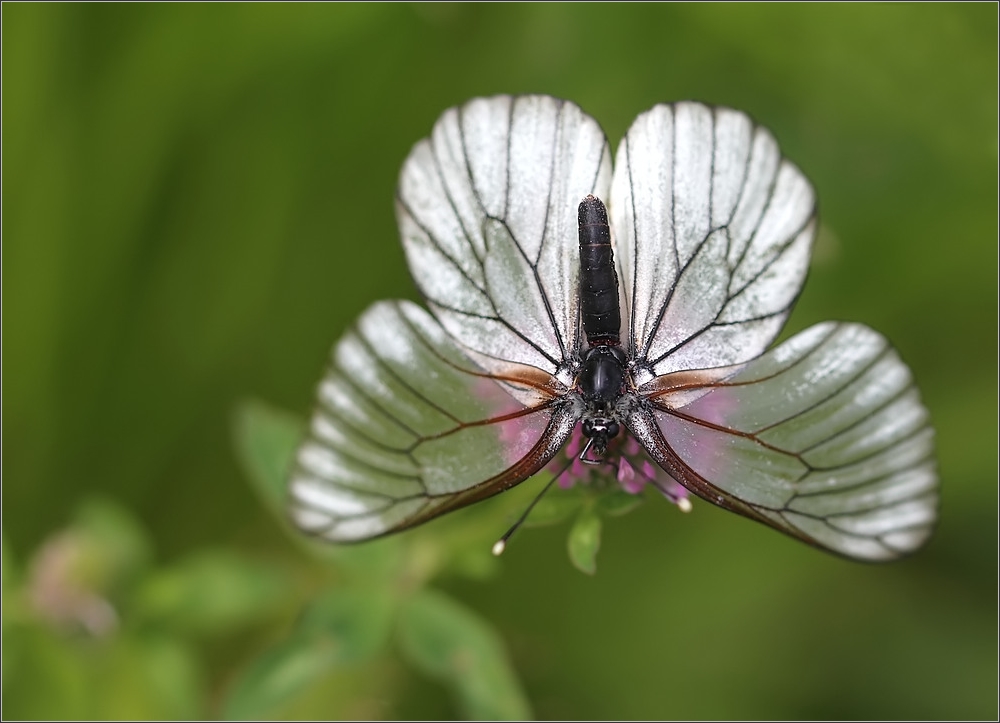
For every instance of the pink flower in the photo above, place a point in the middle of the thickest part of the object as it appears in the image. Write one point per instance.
(625, 460)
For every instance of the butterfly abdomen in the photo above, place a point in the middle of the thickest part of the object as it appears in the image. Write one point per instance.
(598, 280)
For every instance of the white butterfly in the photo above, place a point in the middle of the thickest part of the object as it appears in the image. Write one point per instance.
(823, 437)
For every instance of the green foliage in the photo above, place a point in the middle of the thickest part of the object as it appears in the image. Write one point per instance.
(120, 547)
(349, 624)
(153, 677)
(265, 440)
(210, 593)
(557, 506)
(618, 502)
(114, 619)
(341, 628)
(81, 622)
(585, 540)
(450, 643)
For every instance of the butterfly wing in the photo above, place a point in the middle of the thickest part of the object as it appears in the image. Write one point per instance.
(421, 414)
(712, 231)
(824, 438)
(487, 209)
(408, 427)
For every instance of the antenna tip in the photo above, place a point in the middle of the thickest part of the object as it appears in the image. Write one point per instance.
(684, 504)
(499, 546)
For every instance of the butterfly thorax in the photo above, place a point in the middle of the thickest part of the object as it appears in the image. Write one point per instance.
(601, 384)
(602, 376)
(601, 381)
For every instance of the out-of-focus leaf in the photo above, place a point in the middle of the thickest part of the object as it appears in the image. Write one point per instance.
(356, 619)
(216, 591)
(618, 502)
(122, 677)
(344, 627)
(277, 675)
(584, 541)
(265, 439)
(454, 545)
(375, 560)
(556, 506)
(119, 544)
(43, 679)
(153, 678)
(175, 679)
(79, 575)
(474, 561)
(451, 643)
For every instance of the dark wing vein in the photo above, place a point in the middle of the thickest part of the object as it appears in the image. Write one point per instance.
(432, 237)
(533, 265)
(633, 346)
(763, 211)
(779, 251)
(729, 299)
(500, 320)
(466, 235)
(859, 480)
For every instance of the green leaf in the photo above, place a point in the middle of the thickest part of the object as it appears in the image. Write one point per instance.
(584, 541)
(556, 506)
(451, 643)
(211, 592)
(153, 677)
(358, 620)
(119, 547)
(79, 574)
(44, 676)
(342, 628)
(276, 676)
(265, 438)
(125, 676)
(618, 502)
(374, 561)
(473, 561)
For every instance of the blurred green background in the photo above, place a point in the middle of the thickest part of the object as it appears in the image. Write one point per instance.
(198, 199)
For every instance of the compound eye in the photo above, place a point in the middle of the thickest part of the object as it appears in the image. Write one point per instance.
(613, 429)
(588, 428)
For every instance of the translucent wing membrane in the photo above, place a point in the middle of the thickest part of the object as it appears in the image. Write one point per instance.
(824, 438)
(407, 427)
(712, 236)
(487, 210)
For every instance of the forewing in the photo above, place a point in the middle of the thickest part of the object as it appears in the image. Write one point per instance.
(824, 438)
(487, 210)
(712, 231)
(406, 427)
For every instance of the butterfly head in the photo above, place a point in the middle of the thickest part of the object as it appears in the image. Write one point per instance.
(598, 431)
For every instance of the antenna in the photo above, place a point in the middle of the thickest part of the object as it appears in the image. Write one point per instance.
(500, 545)
(583, 455)
(683, 503)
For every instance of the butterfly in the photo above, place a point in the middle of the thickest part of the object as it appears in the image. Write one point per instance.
(616, 320)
